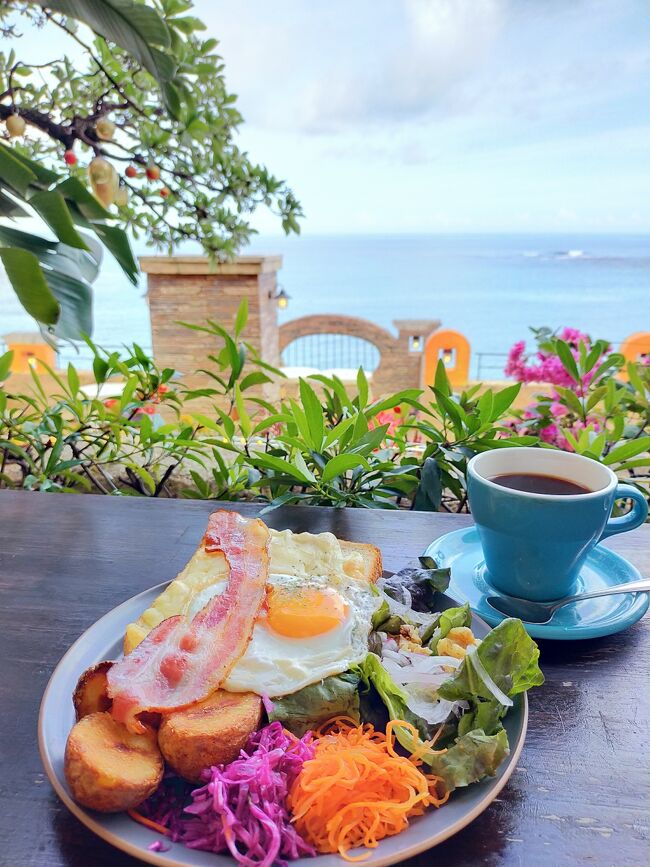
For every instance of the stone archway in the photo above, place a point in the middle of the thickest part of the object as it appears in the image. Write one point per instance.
(398, 366)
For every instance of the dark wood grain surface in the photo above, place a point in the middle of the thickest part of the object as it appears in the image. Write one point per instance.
(581, 792)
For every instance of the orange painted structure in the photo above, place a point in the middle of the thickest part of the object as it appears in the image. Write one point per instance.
(29, 348)
(634, 348)
(454, 350)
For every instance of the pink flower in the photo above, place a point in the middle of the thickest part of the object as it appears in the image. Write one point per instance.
(557, 409)
(149, 410)
(573, 335)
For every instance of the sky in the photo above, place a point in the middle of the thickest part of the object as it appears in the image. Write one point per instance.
(419, 116)
(391, 116)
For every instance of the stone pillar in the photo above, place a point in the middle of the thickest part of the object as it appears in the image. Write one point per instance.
(190, 289)
(402, 364)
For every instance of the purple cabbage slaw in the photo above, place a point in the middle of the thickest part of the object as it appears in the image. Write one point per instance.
(241, 808)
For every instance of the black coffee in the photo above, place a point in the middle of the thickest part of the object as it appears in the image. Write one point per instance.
(535, 483)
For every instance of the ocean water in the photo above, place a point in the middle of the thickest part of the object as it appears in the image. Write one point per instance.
(489, 287)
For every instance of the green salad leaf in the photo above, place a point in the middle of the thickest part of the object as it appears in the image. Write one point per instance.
(449, 619)
(473, 757)
(509, 656)
(470, 757)
(485, 715)
(337, 695)
(372, 673)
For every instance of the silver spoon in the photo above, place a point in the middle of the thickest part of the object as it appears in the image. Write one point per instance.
(541, 612)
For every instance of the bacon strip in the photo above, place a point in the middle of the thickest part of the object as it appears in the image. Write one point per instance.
(182, 661)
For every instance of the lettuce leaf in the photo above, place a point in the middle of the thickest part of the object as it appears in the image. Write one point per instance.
(337, 695)
(510, 657)
(373, 674)
(449, 619)
(473, 757)
(470, 757)
(485, 715)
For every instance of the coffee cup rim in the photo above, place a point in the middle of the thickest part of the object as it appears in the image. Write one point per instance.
(558, 454)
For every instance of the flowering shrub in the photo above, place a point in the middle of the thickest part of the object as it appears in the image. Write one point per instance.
(595, 403)
(330, 445)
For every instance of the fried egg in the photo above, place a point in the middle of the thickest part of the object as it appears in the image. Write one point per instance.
(311, 627)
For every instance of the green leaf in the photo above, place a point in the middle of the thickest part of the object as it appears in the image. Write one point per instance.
(51, 206)
(10, 208)
(117, 242)
(341, 464)
(452, 411)
(485, 406)
(503, 400)
(628, 450)
(633, 375)
(73, 379)
(242, 317)
(254, 378)
(244, 418)
(428, 496)
(14, 172)
(570, 399)
(300, 463)
(5, 364)
(26, 277)
(362, 387)
(565, 355)
(337, 431)
(75, 300)
(333, 696)
(509, 656)
(406, 396)
(473, 757)
(441, 381)
(100, 369)
(314, 414)
(279, 465)
(90, 207)
(595, 397)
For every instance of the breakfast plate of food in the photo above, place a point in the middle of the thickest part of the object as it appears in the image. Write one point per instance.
(284, 699)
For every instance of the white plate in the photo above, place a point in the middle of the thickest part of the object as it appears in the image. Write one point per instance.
(103, 640)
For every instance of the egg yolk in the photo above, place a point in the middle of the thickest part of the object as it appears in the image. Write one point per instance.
(303, 613)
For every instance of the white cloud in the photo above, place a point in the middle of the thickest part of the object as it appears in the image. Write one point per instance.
(327, 68)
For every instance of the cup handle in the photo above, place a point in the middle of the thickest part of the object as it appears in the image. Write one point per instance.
(634, 518)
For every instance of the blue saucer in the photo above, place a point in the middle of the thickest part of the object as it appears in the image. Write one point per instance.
(461, 551)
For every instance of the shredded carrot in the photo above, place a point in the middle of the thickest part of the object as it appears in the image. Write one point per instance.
(356, 790)
(149, 823)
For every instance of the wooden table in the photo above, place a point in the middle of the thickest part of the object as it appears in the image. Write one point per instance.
(581, 792)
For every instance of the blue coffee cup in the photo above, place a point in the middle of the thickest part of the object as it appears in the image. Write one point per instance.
(534, 544)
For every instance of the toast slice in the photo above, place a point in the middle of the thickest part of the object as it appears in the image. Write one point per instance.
(291, 554)
(371, 566)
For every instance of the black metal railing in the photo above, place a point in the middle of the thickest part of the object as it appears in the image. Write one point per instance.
(331, 351)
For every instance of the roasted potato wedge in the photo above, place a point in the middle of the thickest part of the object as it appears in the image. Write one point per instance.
(210, 732)
(91, 693)
(108, 768)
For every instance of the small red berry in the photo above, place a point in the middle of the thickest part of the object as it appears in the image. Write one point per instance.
(70, 158)
(131, 172)
(397, 410)
(153, 172)
(164, 192)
